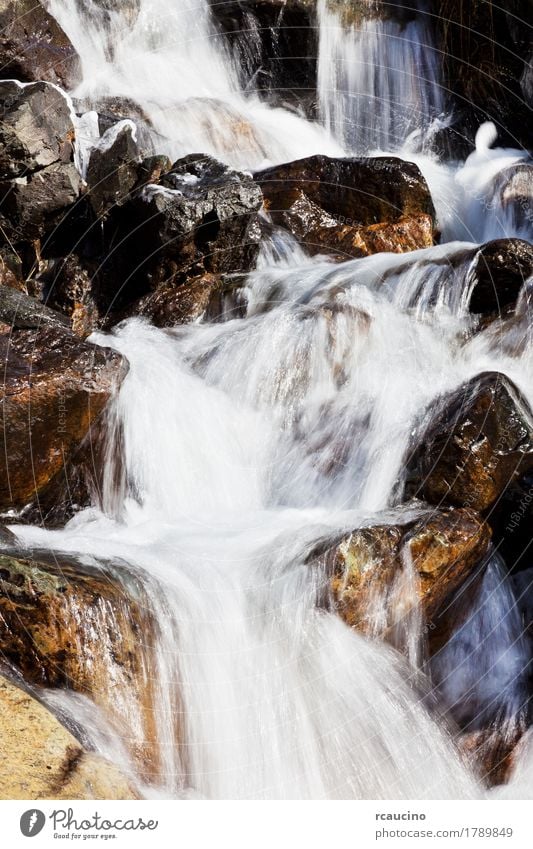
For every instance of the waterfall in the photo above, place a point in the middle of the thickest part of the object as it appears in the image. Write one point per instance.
(169, 61)
(378, 78)
(234, 445)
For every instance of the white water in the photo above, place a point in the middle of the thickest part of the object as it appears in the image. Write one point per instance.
(378, 80)
(233, 447)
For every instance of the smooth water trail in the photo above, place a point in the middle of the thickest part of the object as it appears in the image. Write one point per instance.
(168, 66)
(378, 78)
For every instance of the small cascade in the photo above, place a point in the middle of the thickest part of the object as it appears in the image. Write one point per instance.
(378, 78)
(167, 64)
(482, 671)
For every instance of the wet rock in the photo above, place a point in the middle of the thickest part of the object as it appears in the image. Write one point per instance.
(500, 269)
(202, 217)
(33, 205)
(350, 207)
(274, 43)
(368, 570)
(39, 184)
(486, 48)
(68, 288)
(492, 752)
(36, 129)
(472, 444)
(113, 168)
(42, 760)
(515, 186)
(55, 387)
(68, 622)
(171, 305)
(33, 46)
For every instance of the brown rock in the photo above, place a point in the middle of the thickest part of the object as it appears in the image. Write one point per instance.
(55, 387)
(443, 548)
(500, 269)
(64, 624)
(42, 760)
(472, 444)
(33, 46)
(492, 751)
(350, 207)
(171, 305)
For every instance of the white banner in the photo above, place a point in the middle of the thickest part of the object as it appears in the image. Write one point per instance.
(267, 825)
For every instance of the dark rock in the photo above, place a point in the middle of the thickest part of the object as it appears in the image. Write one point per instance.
(363, 569)
(31, 206)
(500, 270)
(511, 518)
(492, 752)
(33, 46)
(55, 387)
(202, 217)
(38, 182)
(274, 43)
(67, 287)
(350, 207)
(20, 312)
(472, 444)
(171, 305)
(36, 129)
(113, 171)
(485, 49)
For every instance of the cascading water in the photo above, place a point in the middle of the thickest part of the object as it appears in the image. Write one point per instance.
(233, 446)
(378, 79)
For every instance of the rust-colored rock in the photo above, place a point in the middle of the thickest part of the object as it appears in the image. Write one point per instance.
(67, 624)
(492, 751)
(350, 207)
(472, 444)
(54, 388)
(365, 567)
(171, 305)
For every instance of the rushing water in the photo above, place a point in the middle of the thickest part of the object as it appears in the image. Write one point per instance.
(233, 446)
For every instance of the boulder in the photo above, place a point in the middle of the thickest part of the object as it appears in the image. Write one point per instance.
(113, 168)
(38, 180)
(498, 274)
(55, 387)
(472, 444)
(36, 129)
(42, 760)
(68, 288)
(350, 207)
(492, 752)
(201, 217)
(33, 46)
(65, 623)
(367, 570)
(172, 305)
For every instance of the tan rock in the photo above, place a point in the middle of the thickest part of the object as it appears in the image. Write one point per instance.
(42, 760)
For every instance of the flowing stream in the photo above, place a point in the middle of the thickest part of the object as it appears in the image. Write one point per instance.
(233, 446)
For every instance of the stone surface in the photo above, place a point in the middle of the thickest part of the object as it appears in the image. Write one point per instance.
(350, 207)
(65, 623)
(33, 46)
(42, 760)
(275, 45)
(472, 444)
(201, 217)
(113, 170)
(36, 129)
(55, 387)
(501, 268)
(171, 305)
(367, 570)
